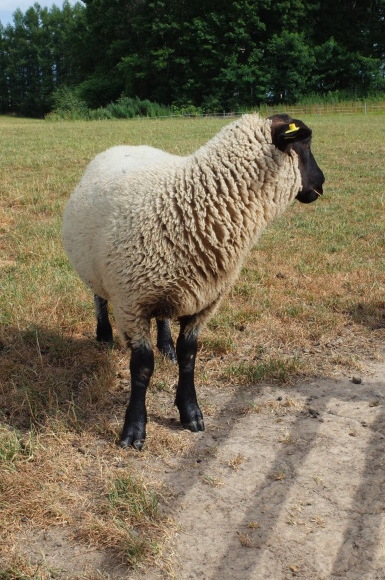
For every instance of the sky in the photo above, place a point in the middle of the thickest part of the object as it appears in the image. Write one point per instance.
(8, 7)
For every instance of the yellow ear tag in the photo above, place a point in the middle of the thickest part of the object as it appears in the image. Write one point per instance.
(292, 128)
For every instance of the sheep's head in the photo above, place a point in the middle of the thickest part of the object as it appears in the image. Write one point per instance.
(293, 135)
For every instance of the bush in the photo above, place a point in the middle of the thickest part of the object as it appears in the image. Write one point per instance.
(127, 108)
(187, 109)
(100, 114)
(67, 105)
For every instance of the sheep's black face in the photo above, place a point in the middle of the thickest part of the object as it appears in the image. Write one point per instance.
(312, 176)
(293, 135)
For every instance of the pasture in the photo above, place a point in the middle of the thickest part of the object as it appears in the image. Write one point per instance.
(306, 315)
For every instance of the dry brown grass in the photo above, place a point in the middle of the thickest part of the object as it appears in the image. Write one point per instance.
(90, 488)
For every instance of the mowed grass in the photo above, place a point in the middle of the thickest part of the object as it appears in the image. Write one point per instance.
(310, 301)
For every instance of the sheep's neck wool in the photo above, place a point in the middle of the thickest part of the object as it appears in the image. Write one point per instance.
(227, 192)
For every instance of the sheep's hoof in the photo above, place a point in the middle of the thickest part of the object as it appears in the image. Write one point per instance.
(195, 426)
(133, 436)
(137, 444)
(190, 416)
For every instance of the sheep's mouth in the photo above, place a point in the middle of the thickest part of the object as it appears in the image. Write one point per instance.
(309, 195)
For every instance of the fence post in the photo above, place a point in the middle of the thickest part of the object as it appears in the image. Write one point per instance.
(364, 108)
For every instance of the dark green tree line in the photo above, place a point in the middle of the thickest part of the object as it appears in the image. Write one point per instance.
(214, 54)
(40, 51)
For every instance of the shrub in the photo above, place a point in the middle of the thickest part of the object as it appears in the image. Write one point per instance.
(187, 109)
(100, 114)
(67, 105)
(128, 107)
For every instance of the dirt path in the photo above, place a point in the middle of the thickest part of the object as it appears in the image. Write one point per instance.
(286, 483)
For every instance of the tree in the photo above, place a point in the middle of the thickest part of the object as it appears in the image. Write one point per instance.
(108, 39)
(350, 46)
(4, 88)
(199, 53)
(215, 54)
(291, 62)
(39, 53)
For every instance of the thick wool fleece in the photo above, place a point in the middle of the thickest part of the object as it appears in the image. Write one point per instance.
(162, 235)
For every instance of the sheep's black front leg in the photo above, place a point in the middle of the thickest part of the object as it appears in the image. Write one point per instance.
(164, 339)
(141, 367)
(186, 400)
(103, 326)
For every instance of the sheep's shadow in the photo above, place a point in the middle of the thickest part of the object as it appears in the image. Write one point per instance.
(46, 375)
(171, 423)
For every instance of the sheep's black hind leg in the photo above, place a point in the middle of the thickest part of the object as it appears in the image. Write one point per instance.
(186, 400)
(164, 339)
(103, 326)
(141, 367)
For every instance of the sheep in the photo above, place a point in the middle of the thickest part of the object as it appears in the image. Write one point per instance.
(163, 236)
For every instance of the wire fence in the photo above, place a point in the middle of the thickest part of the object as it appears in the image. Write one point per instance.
(293, 110)
(352, 108)
(327, 108)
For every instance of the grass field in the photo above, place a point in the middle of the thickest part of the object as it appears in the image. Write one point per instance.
(310, 301)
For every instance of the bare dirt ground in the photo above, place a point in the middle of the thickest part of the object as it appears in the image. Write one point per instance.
(293, 490)
(285, 482)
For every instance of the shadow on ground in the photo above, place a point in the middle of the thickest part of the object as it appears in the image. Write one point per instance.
(306, 500)
(46, 375)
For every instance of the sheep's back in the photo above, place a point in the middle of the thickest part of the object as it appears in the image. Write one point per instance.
(111, 207)
(124, 159)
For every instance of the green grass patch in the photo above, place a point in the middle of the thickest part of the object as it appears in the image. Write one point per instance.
(274, 369)
(132, 508)
(218, 345)
(13, 448)
(130, 500)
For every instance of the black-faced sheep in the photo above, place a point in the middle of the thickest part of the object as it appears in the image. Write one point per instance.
(163, 236)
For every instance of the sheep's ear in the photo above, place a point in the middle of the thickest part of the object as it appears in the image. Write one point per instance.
(283, 132)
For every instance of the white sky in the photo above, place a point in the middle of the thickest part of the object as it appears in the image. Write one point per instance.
(8, 7)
